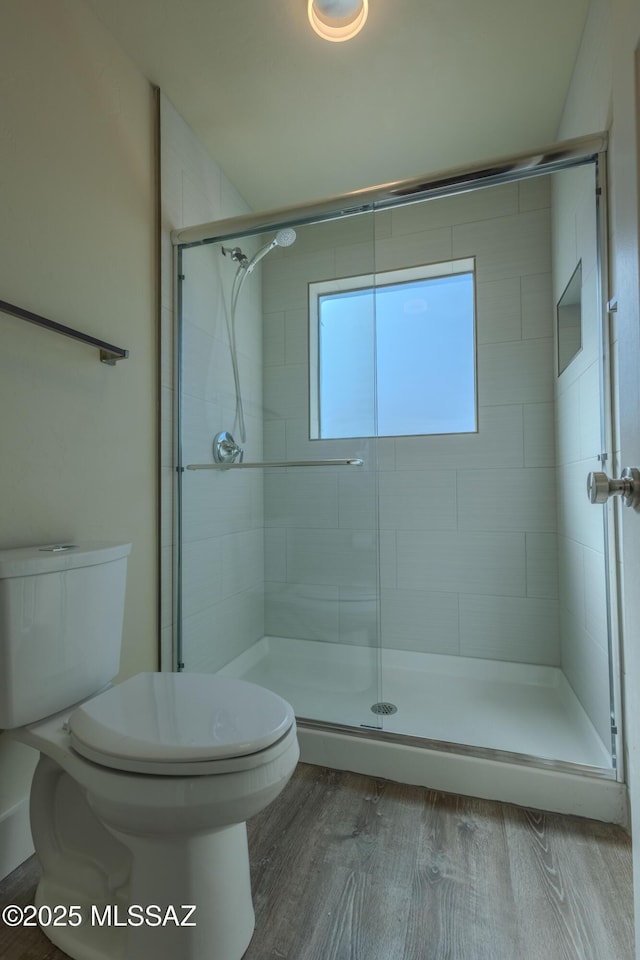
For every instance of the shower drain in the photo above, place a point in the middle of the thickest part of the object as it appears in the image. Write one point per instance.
(384, 708)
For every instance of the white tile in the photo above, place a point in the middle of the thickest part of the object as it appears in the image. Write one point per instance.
(571, 581)
(420, 620)
(216, 503)
(578, 518)
(303, 611)
(197, 202)
(516, 372)
(428, 246)
(273, 338)
(242, 557)
(498, 442)
(356, 260)
(418, 500)
(300, 498)
(499, 310)
(274, 440)
(506, 247)
(344, 557)
(206, 289)
(444, 561)
(358, 617)
(518, 629)
(275, 553)
(542, 565)
(596, 598)
(207, 366)
(539, 434)
(565, 253)
(296, 336)
(337, 233)
(201, 421)
(171, 187)
(538, 314)
(534, 193)
(357, 499)
(285, 281)
(300, 447)
(586, 219)
(286, 391)
(213, 637)
(388, 559)
(568, 421)
(201, 575)
(384, 453)
(586, 667)
(484, 204)
(507, 500)
(591, 443)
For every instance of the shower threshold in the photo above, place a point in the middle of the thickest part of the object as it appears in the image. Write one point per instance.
(515, 708)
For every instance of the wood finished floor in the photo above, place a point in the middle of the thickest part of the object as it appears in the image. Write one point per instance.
(346, 867)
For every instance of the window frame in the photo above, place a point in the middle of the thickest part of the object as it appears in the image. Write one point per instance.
(375, 281)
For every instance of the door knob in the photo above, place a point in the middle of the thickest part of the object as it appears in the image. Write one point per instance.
(600, 487)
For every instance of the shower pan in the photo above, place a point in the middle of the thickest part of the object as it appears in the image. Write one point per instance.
(398, 539)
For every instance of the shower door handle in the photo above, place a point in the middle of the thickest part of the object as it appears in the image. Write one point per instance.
(600, 487)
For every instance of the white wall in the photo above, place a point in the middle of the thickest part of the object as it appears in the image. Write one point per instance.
(222, 557)
(468, 523)
(78, 439)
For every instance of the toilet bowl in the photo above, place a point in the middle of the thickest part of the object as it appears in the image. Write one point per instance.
(142, 791)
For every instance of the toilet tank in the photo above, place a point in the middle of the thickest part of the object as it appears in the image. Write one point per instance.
(61, 612)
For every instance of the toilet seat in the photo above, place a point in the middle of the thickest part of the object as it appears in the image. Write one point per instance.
(180, 724)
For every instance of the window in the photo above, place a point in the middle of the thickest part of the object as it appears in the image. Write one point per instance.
(393, 354)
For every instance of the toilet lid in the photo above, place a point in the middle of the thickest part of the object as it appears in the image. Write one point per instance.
(179, 718)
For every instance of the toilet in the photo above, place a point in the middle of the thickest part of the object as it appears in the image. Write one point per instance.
(140, 798)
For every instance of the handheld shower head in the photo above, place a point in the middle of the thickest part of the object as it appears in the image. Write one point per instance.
(283, 238)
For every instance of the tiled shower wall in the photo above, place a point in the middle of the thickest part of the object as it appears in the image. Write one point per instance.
(582, 571)
(222, 553)
(468, 545)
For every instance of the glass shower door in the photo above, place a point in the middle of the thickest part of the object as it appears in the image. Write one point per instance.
(280, 548)
(495, 620)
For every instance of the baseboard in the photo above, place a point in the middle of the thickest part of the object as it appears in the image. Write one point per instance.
(16, 844)
(528, 786)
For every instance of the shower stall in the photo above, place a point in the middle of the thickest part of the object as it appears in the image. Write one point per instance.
(387, 407)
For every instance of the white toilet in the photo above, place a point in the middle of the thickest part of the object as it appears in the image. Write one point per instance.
(140, 797)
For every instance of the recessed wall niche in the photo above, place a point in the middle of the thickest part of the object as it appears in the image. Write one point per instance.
(569, 312)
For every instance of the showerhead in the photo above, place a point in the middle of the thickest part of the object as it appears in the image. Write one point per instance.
(283, 238)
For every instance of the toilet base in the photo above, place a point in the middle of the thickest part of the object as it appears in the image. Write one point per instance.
(125, 885)
(156, 924)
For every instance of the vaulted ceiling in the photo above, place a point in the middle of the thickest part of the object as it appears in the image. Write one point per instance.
(428, 84)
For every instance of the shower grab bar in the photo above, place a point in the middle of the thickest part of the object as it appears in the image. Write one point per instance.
(348, 462)
(109, 353)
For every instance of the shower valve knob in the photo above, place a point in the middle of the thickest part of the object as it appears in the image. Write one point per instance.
(600, 487)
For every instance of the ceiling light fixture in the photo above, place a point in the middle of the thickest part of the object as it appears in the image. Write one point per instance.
(337, 20)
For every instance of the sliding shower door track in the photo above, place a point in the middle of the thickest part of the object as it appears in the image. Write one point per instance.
(460, 749)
